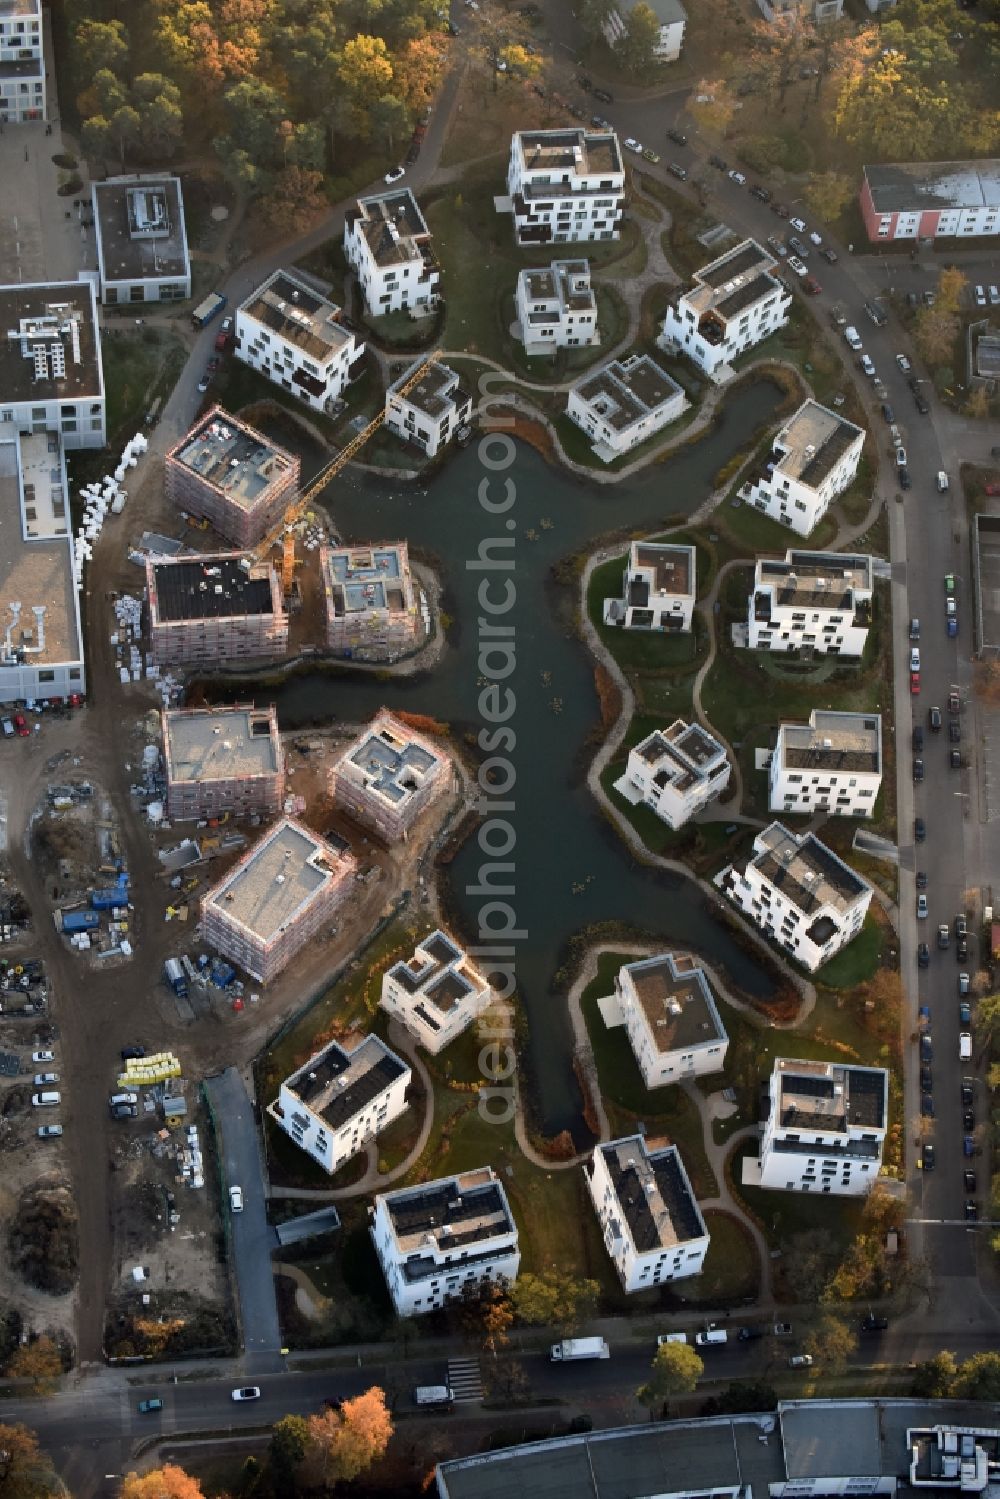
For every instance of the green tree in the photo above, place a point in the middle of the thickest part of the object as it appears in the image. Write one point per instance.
(637, 48)
(978, 1378)
(828, 194)
(594, 14)
(808, 1262)
(741, 1396)
(553, 1300)
(832, 1342)
(161, 121)
(289, 1444)
(390, 121)
(675, 1370)
(988, 1022)
(99, 44)
(933, 1379)
(364, 75)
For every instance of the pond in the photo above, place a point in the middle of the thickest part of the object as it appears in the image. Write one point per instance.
(570, 868)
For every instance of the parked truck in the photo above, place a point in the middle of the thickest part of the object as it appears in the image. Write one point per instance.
(207, 310)
(175, 976)
(77, 921)
(576, 1348)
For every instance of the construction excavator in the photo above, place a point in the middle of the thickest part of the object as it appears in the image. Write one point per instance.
(283, 530)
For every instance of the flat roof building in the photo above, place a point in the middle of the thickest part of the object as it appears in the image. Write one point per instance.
(556, 307)
(340, 1099)
(293, 334)
(437, 994)
(387, 241)
(675, 772)
(222, 760)
(431, 411)
(51, 375)
(389, 776)
(831, 764)
(564, 186)
(659, 586)
(825, 1129)
(22, 62)
(214, 606)
(733, 303)
(800, 894)
(815, 601)
(931, 199)
(671, 23)
(279, 896)
(671, 1018)
(41, 641)
(624, 403)
(814, 458)
(372, 612)
(443, 1238)
(652, 1225)
(142, 248)
(226, 472)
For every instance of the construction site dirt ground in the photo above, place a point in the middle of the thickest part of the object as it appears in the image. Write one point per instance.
(99, 1010)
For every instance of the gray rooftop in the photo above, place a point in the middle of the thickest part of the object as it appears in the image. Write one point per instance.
(296, 312)
(15, 8)
(219, 744)
(667, 12)
(36, 572)
(918, 186)
(337, 1082)
(390, 761)
(234, 458)
(808, 874)
(733, 281)
(578, 152)
(392, 225)
(624, 391)
(677, 1001)
(363, 579)
(278, 879)
(437, 390)
(654, 1194)
(682, 754)
(830, 1097)
(817, 579)
(439, 972)
(812, 442)
(833, 742)
(50, 349)
(455, 1211)
(140, 228)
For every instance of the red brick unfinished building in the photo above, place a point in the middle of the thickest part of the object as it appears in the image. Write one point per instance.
(222, 760)
(214, 607)
(231, 475)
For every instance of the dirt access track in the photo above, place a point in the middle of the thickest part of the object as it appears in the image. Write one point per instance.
(98, 1011)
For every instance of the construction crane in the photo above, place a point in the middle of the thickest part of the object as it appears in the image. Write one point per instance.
(283, 531)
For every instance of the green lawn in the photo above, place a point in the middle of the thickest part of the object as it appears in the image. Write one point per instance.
(754, 533)
(641, 650)
(857, 962)
(732, 1265)
(139, 366)
(782, 1214)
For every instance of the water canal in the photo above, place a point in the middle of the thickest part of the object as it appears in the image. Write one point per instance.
(571, 870)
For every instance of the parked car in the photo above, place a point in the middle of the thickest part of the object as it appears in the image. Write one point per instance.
(796, 265)
(918, 768)
(49, 1131)
(867, 366)
(829, 255)
(718, 163)
(760, 193)
(980, 296)
(968, 1145)
(811, 286)
(146, 1407)
(962, 949)
(971, 1212)
(798, 247)
(677, 171)
(919, 830)
(921, 879)
(929, 1158)
(130, 1053)
(955, 759)
(800, 1361)
(678, 138)
(927, 1106)
(247, 1392)
(914, 680)
(923, 956)
(943, 936)
(872, 1323)
(964, 983)
(967, 1087)
(45, 1100)
(236, 1199)
(926, 1047)
(749, 1334)
(777, 245)
(43, 1056)
(994, 295)
(603, 95)
(969, 1180)
(45, 1079)
(737, 177)
(921, 907)
(934, 719)
(650, 155)
(631, 144)
(888, 415)
(903, 363)
(926, 1078)
(799, 224)
(124, 1111)
(918, 738)
(964, 1012)
(954, 703)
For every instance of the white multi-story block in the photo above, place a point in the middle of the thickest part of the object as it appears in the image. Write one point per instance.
(287, 331)
(658, 589)
(565, 186)
(825, 1128)
(652, 1225)
(671, 18)
(387, 241)
(436, 994)
(831, 764)
(732, 304)
(340, 1099)
(806, 10)
(556, 307)
(813, 459)
(41, 643)
(53, 378)
(432, 410)
(930, 199)
(22, 61)
(800, 894)
(443, 1238)
(818, 601)
(623, 403)
(142, 248)
(671, 1018)
(675, 772)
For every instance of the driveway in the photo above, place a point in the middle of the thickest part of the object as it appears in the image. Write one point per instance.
(251, 1235)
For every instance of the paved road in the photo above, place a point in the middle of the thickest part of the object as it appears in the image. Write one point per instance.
(251, 1236)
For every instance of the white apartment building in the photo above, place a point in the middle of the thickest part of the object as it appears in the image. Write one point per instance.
(814, 458)
(41, 642)
(733, 303)
(22, 61)
(816, 601)
(800, 894)
(387, 241)
(624, 403)
(825, 1128)
(52, 378)
(831, 764)
(556, 307)
(432, 411)
(142, 248)
(675, 772)
(670, 15)
(289, 332)
(340, 1099)
(438, 1239)
(671, 1019)
(809, 10)
(659, 586)
(436, 994)
(652, 1225)
(930, 199)
(564, 186)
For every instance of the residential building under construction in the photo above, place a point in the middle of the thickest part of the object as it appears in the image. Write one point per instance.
(388, 776)
(227, 473)
(371, 608)
(214, 607)
(223, 760)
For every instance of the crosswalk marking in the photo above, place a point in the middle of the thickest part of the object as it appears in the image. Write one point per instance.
(465, 1380)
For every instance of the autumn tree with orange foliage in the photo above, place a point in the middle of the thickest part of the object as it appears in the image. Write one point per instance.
(38, 1361)
(26, 1472)
(341, 1443)
(168, 1482)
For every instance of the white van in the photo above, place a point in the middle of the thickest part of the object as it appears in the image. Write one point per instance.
(711, 1336)
(942, 481)
(671, 1337)
(853, 338)
(45, 1100)
(439, 1396)
(964, 1046)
